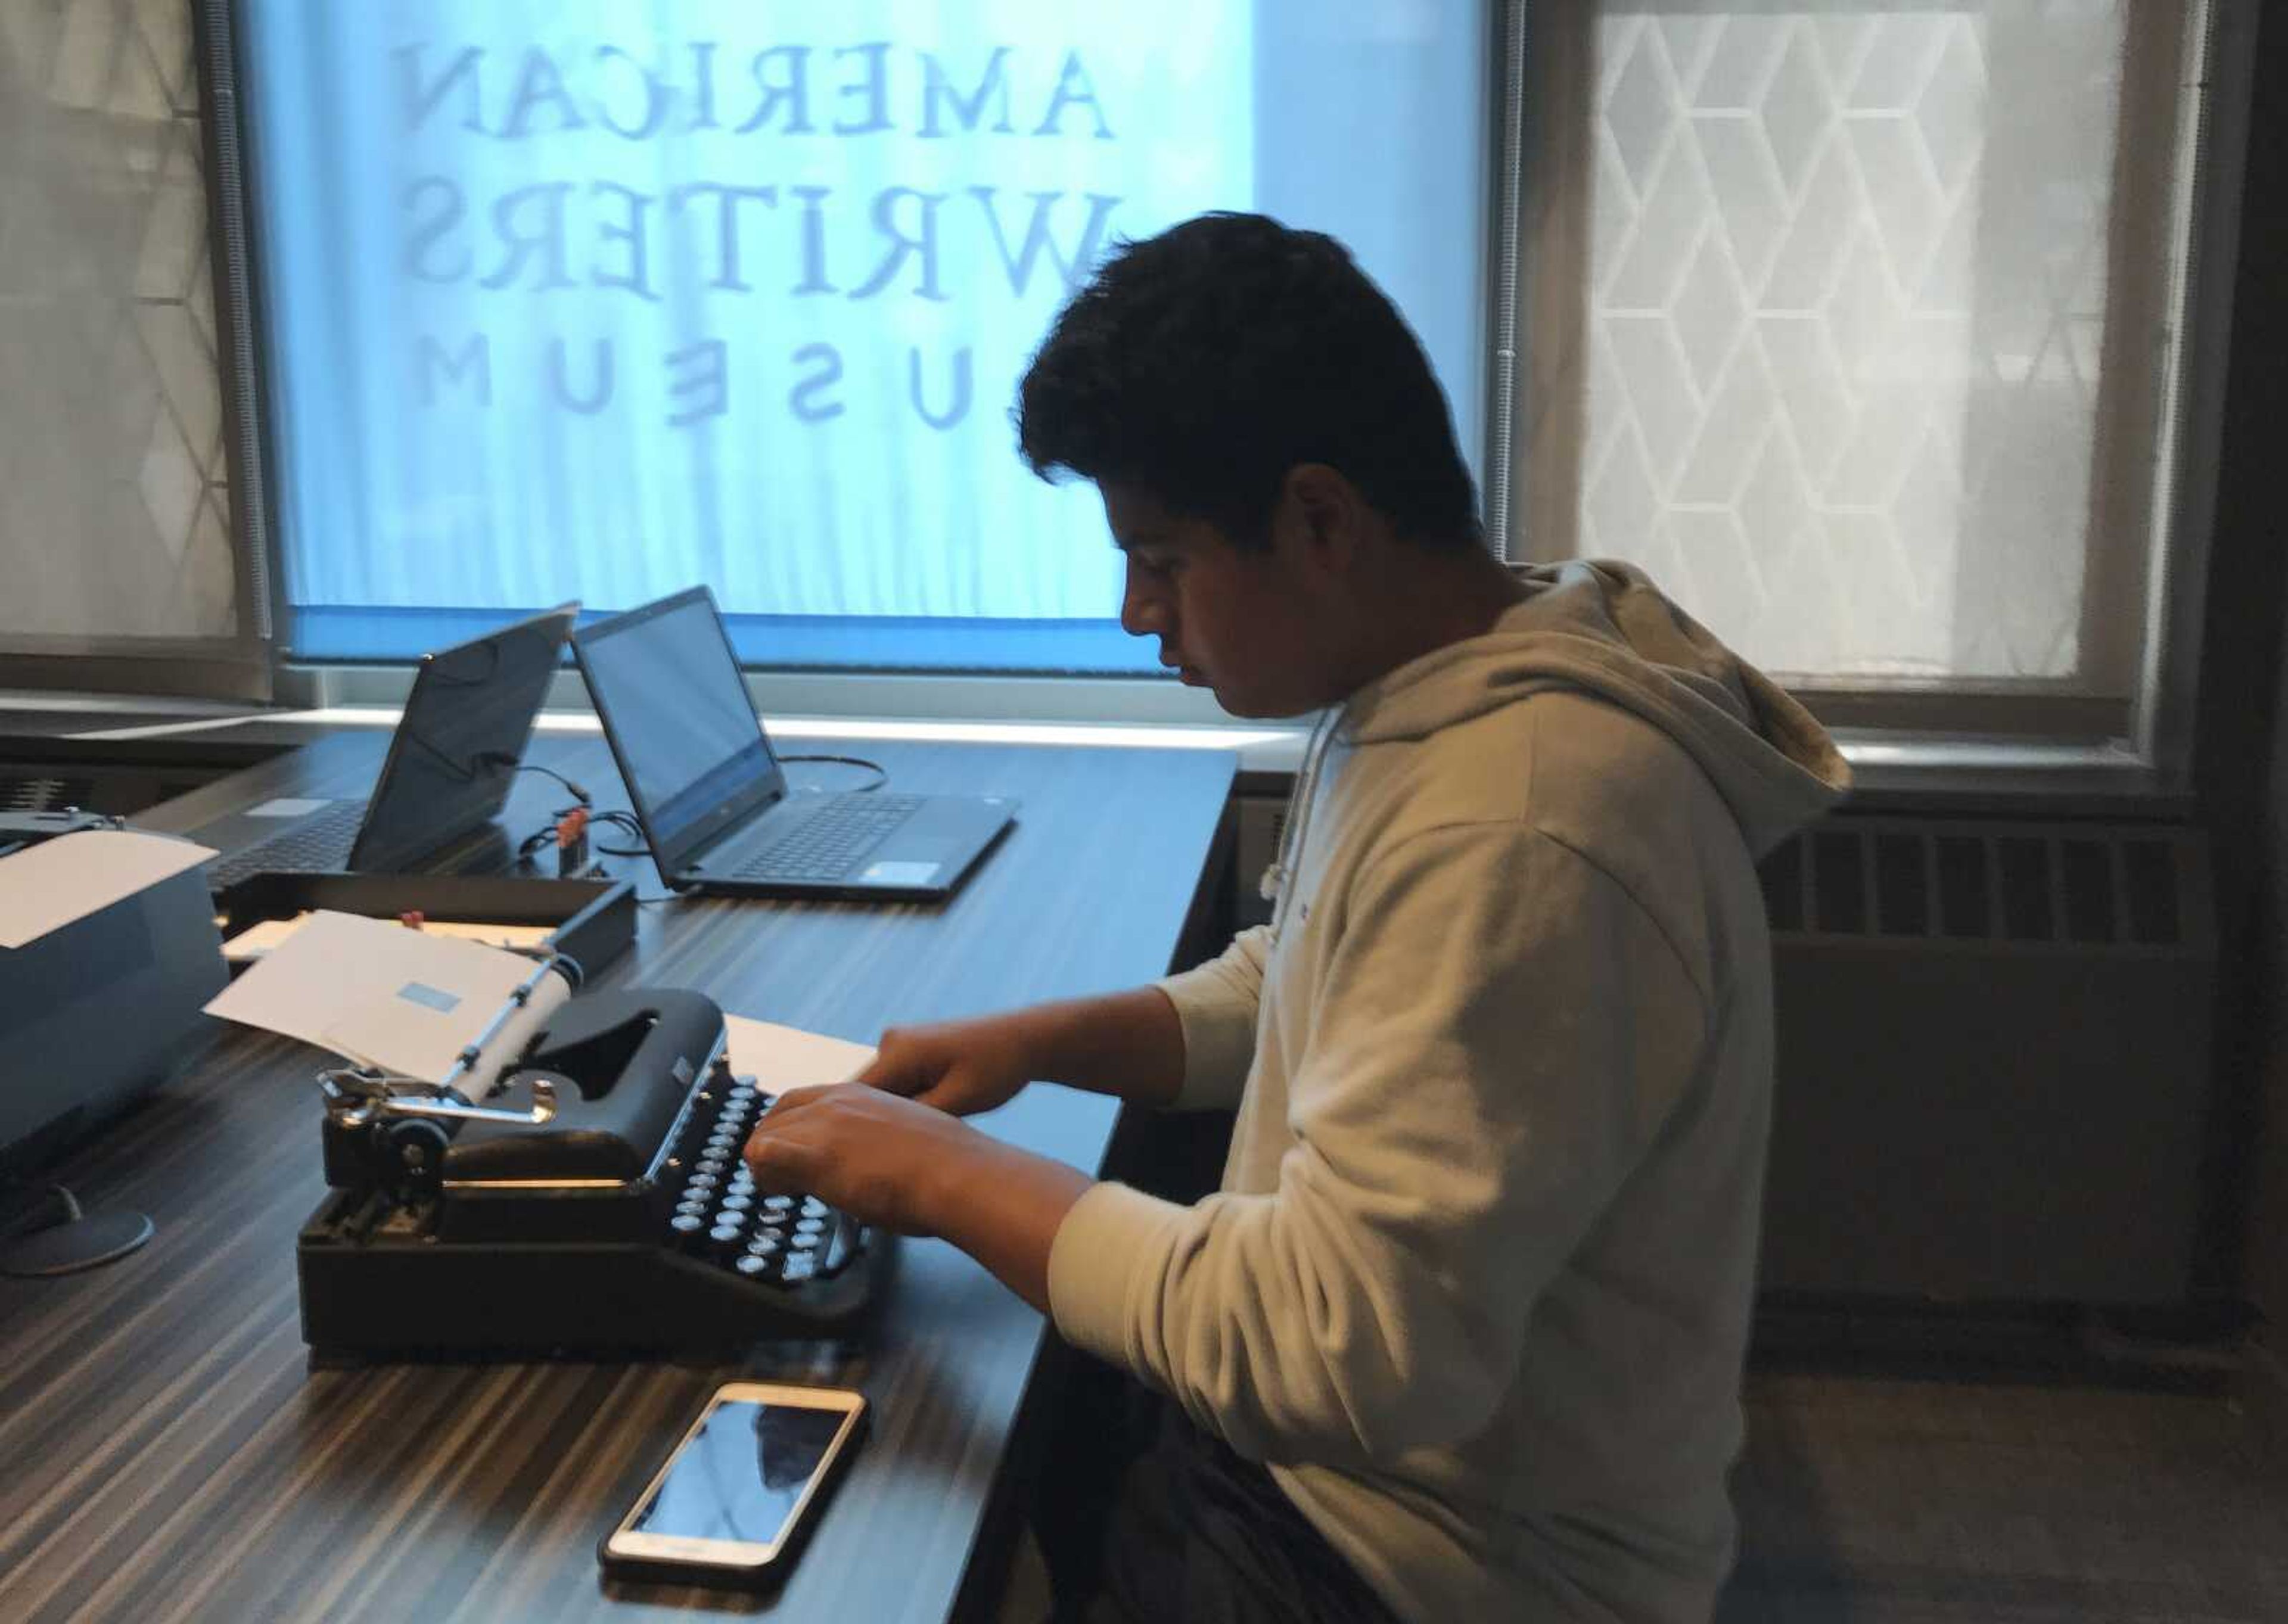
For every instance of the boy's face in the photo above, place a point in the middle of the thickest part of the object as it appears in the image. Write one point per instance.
(1232, 620)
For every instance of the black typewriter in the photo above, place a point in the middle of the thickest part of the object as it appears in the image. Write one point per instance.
(591, 1200)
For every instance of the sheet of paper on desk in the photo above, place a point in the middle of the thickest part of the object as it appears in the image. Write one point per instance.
(404, 1001)
(46, 887)
(783, 1058)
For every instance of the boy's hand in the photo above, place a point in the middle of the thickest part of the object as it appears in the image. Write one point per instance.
(960, 1068)
(903, 1166)
(878, 1158)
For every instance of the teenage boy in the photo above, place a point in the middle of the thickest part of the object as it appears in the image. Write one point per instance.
(1460, 1338)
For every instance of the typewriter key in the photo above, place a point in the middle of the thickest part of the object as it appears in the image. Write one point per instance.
(778, 1203)
(813, 1207)
(687, 1223)
(751, 1266)
(735, 1202)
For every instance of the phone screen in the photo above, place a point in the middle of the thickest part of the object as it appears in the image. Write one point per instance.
(740, 1474)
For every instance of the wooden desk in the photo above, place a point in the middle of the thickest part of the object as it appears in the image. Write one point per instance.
(166, 1455)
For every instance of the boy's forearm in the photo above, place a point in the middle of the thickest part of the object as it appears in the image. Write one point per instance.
(1002, 1206)
(1129, 1045)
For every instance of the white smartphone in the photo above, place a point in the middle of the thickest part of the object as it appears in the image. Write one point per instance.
(740, 1488)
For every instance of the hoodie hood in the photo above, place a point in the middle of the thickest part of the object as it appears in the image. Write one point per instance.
(1603, 629)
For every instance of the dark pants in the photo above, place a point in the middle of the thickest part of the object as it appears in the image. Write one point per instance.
(1190, 1532)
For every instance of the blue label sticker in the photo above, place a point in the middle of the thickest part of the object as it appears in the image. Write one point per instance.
(428, 997)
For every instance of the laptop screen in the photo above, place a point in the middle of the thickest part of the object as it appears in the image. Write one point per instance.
(465, 725)
(666, 683)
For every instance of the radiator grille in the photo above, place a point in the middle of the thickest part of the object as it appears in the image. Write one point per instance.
(23, 792)
(2079, 885)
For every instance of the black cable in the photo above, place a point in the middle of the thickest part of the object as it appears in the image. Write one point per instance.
(881, 773)
(541, 838)
(495, 758)
(625, 822)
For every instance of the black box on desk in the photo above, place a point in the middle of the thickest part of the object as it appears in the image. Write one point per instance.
(591, 920)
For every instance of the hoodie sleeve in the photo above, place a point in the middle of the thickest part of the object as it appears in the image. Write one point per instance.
(1218, 1002)
(1502, 1030)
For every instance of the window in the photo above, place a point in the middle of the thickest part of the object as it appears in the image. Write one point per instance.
(1858, 322)
(115, 538)
(597, 301)
(1864, 324)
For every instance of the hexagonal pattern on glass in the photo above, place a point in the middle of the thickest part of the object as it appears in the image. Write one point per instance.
(1844, 305)
(113, 510)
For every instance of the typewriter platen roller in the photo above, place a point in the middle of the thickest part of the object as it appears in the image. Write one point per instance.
(590, 1200)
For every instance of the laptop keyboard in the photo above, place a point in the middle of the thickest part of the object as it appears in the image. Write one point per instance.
(833, 843)
(313, 846)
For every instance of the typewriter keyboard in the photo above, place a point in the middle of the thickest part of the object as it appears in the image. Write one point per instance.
(719, 1214)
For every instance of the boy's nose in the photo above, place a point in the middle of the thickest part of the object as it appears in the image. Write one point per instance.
(1141, 613)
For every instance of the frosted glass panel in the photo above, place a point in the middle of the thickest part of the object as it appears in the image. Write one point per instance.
(1843, 347)
(114, 514)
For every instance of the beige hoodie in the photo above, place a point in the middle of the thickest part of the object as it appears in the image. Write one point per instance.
(1476, 1287)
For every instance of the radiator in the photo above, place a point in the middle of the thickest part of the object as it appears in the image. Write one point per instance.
(1994, 1049)
(1994, 1056)
(24, 790)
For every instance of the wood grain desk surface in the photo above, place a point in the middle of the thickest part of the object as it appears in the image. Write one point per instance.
(165, 1454)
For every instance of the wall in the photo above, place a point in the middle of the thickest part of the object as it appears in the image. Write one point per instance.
(2268, 1231)
(2242, 767)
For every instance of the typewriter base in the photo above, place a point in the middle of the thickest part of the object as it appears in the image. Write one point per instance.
(368, 1298)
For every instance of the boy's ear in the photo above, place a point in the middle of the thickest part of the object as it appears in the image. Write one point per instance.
(1324, 511)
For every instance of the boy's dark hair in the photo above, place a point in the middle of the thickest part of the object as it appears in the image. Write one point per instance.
(1203, 364)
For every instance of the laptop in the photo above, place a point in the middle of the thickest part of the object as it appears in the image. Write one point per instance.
(450, 763)
(710, 793)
